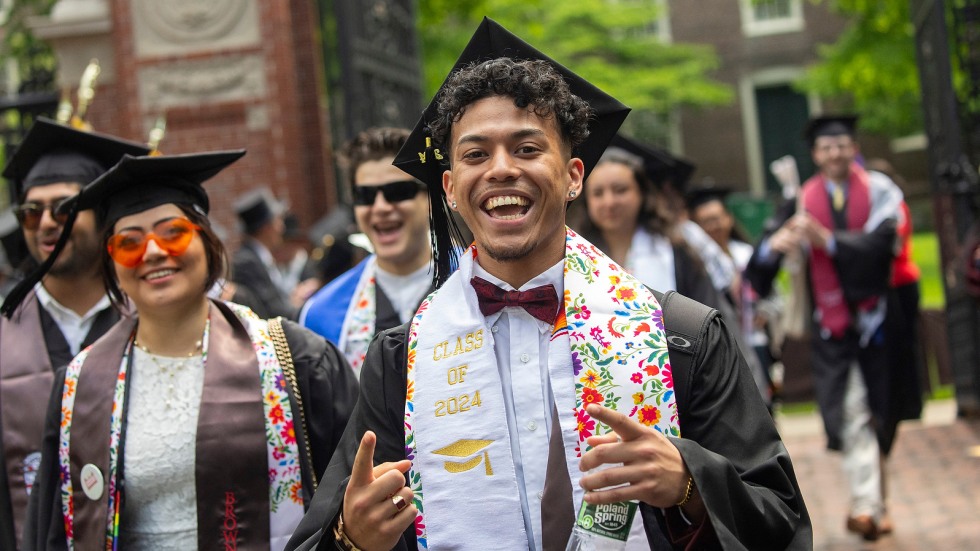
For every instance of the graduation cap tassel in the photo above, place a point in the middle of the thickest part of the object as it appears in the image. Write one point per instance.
(20, 291)
(447, 239)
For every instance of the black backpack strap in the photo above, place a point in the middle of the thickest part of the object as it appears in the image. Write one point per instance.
(684, 321)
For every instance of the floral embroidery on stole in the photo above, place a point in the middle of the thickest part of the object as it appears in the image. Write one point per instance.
(617, 354)
(285, 480)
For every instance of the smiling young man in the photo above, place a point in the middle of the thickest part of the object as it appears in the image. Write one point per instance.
(385, 289)
(478, 422)
(65, 312)
(845, 222)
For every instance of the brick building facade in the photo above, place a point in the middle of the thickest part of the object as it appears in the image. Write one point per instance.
(224, 73)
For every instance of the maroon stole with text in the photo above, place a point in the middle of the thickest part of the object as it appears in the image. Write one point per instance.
(231, 453)
(833, 310)
(26, 376)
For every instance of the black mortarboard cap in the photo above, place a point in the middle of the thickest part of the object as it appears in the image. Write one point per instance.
(257, 208)
(829, 125)
(699, 196)
(133, 185)
(53, 152)
(660, 164)
(418, 156)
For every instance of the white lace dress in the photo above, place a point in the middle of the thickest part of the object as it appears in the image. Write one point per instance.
(160, 507)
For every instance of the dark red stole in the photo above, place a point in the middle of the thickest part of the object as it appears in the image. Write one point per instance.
(26, 376)
(833, 310)
(231, 454)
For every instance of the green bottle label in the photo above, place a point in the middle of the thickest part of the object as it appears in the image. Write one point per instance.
(612, 520)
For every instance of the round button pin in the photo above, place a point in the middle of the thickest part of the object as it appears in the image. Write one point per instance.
(92, 482)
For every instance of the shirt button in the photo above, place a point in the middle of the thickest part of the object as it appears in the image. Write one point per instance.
(494, 329)
(531, 425)
(525, 358)
(540, 496)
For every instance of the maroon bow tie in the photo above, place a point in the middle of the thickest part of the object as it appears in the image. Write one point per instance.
(541, 302)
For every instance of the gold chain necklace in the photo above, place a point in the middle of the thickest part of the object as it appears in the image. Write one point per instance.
(170, 368)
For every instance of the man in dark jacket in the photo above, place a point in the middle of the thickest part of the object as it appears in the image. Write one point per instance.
(67, 311)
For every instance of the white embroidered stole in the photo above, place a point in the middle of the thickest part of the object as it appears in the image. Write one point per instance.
(610, 336)
(360, 318)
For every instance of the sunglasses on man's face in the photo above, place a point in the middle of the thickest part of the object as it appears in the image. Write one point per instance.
(29, 214)
(173, 236)
(393, 192)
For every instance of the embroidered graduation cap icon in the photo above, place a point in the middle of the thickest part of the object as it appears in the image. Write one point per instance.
(426, 160)
(135, 184)
(829, 125)
(53, 153)
(465, 448)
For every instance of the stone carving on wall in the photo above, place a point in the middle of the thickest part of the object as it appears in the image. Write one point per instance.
(173, 27)
(202, 81)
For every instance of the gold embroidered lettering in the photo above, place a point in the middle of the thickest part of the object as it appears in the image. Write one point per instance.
(459, 347)
(437, 154)
(439, 352)
(457, 404)
(479, 339)
(465, 448)
(456, 374)
(422, 157)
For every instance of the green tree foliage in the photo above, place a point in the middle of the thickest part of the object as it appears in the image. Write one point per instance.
(18, 42)
(612, 43)
(872, 67)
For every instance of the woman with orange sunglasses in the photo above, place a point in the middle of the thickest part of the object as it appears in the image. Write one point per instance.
(193, 423)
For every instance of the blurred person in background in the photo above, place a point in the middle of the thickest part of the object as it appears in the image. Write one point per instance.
(707, 208)
(383, 291)
(844, 222)
(627, 219)
(62, 313)
(253, 265)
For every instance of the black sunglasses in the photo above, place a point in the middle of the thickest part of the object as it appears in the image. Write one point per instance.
(29, 214)
(393, 192)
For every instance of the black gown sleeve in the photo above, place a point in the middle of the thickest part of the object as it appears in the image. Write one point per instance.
(761, 271)
(864, 260)
(379, 409)
(44, 528)
(733, 451)
(328, 390)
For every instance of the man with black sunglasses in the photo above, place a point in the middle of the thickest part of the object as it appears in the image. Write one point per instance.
(386, 288)
(66, 311)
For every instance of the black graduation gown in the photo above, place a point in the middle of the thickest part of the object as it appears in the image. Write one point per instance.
(863, 263)
(59, 355)
(730, 445)
(248, 271)
(328, 389)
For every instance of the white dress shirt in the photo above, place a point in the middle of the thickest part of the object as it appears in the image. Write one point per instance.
(405, 292)
(74, 327)
(521, 344)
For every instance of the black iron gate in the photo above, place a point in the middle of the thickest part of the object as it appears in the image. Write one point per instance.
(953, 128)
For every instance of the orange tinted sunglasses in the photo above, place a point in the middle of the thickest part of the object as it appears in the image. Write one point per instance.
(173, 236)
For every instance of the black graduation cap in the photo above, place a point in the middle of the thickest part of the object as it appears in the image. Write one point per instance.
(135, 184)
(53, 152)
(257, 208)
(829, 125)
(699, 196)
(660, 164)
(420, 156)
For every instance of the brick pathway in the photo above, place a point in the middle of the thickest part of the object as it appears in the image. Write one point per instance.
(934, 484)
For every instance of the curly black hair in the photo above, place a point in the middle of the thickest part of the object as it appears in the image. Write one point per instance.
(533, 84)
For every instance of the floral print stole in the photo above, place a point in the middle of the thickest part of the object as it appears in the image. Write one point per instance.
(618, 355)
(284, 465)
